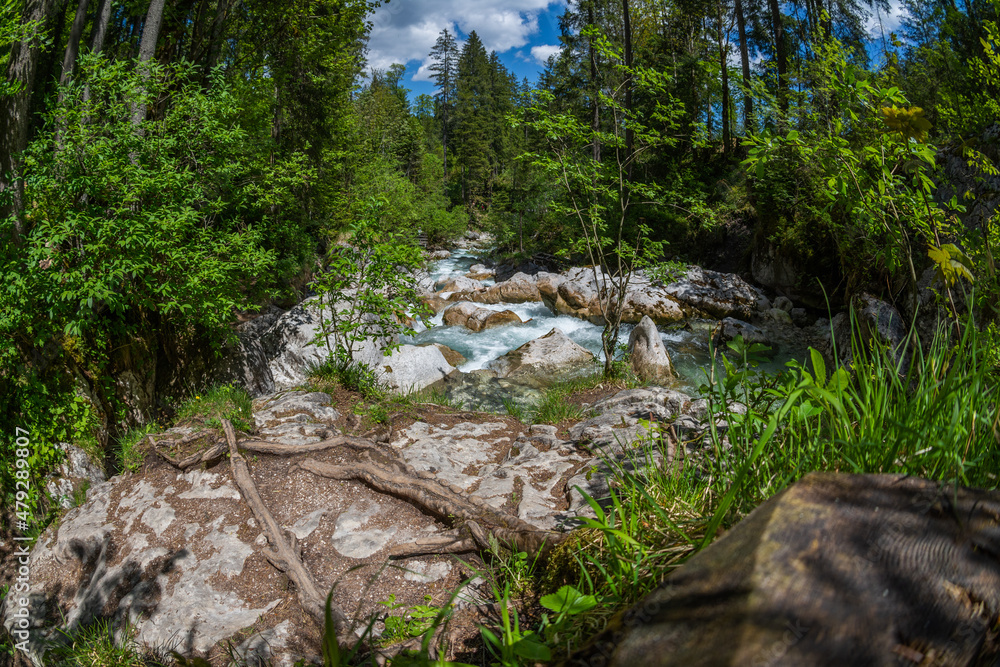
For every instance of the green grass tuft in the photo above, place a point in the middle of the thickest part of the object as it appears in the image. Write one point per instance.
(129, 454)
(216, 404)
(354, 376)
(94, 645)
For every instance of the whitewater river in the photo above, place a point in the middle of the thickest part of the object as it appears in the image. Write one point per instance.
(687, 345)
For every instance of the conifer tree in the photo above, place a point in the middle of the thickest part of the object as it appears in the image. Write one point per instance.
(445, 67)
(472, 117)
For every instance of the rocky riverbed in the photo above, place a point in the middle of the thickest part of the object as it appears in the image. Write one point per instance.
(176, 550)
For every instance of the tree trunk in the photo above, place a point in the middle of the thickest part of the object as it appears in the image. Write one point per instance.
(215, 45)
(196, 47)
(723, 52)
(595, 106)
(147, 48)
(781, 56)
(444, 130)
(97, 35)
(73, 45)
(741, 24)
(629, 132)
(100, 29)
(16, 119)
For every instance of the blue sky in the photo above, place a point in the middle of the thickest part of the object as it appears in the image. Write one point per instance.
(523, 32)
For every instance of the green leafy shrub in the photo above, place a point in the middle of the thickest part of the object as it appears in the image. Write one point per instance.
(130, 235)
(357, 376)
(849, 190)
(367, 290)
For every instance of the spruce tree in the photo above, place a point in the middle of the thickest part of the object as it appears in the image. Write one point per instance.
(472, 117)
(445, 67)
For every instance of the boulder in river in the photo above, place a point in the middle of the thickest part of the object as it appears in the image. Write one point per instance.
(835, 570)
(474, 318)
(730, 328)
(651, 302)
(453, 357)
(576, 293)
(456, 284)
(547, 358)
(480, 272)
(519, 288)
(648, 355)
(413, 367)
(548, 288)
(718, 295)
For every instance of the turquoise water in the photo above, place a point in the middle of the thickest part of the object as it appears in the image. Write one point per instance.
(687, 344)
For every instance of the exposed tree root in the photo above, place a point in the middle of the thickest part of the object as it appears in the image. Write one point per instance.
(393, 476)
(284, 551)
(450, 542)
(281, 449)
(379, 466)
(210, 454)
(382, 469)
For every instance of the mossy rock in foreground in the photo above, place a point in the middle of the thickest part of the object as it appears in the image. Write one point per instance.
(835, 570)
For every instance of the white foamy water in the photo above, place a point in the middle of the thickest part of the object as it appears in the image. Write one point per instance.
(482, 347)
(688, 346)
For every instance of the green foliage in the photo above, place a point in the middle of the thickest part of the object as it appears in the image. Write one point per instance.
(667, 272)
(511, 644)
(130, 454)
(950, 264)
(13, 30)
(94, 645)
(367, 289)
(601, 195)
(131, 235)
(554, 408)
(128, 225)
(356, 376)
(859, 165)
(512, 570)
(415, 621)
(935, 422)
(514, 409)
(210, 407)
(43, 417)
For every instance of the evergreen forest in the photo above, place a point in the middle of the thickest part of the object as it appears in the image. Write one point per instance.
(171, 168)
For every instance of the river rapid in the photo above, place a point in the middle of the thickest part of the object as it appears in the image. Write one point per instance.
(687, 343)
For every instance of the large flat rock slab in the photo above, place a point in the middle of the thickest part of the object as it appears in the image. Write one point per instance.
(835, 570)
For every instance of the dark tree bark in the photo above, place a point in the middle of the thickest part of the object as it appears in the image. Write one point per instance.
(100, 29)
(741, 25)
(147, 49)
(16, 117)
(781, 56)
(97, 35)
(215, 41)
(723, 53)
(73, 45)
(595, 86)
(201, 27)
(629, 133)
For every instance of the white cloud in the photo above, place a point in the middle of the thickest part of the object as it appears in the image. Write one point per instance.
(405, 30)
(889, 20)
(542, 52)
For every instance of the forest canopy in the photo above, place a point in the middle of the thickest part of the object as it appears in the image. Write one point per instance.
(167, 166)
